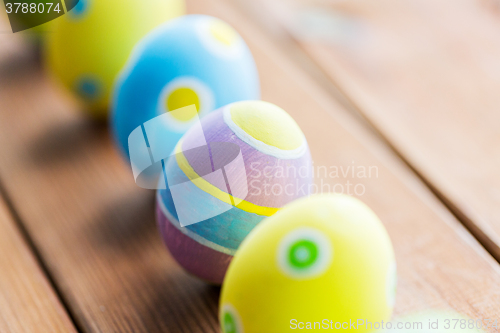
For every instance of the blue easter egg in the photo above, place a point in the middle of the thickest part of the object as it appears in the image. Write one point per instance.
(195, 59)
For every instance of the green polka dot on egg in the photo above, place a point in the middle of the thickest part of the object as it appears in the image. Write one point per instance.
(303, 254)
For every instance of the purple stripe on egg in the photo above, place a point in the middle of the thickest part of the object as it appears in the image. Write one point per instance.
(272, 182)
(197, 259)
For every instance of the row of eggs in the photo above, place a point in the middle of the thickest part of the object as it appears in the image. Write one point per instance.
(278, 256)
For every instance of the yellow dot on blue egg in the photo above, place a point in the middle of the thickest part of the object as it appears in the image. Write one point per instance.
(180, 97)
(223, 32)
(220, 39)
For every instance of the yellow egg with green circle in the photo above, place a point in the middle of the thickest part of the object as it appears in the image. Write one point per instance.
(318, 262)
(90, 44)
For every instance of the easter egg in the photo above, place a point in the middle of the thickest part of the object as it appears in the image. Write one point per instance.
(193, 60)
(90, 44)
(249, 159)
(326, 259)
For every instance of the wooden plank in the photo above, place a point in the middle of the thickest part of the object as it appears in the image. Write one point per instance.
(95, 229)
(27, 301)
(426, 75)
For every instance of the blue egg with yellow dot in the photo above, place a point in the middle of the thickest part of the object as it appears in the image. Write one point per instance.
(194, 59)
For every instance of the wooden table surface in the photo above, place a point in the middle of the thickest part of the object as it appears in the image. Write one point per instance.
(399, 88)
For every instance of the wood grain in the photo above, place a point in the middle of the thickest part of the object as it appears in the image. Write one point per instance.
(27, 301)
(95, 229)
(426, 75)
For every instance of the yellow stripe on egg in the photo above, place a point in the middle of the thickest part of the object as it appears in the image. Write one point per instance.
(214, 190)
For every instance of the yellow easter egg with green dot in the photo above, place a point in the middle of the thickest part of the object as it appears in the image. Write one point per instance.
(90, 44)
(325, 259)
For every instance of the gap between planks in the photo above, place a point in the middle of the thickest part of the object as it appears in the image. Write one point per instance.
(29, 300)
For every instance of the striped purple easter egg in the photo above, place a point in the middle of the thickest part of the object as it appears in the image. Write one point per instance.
(246, 161)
